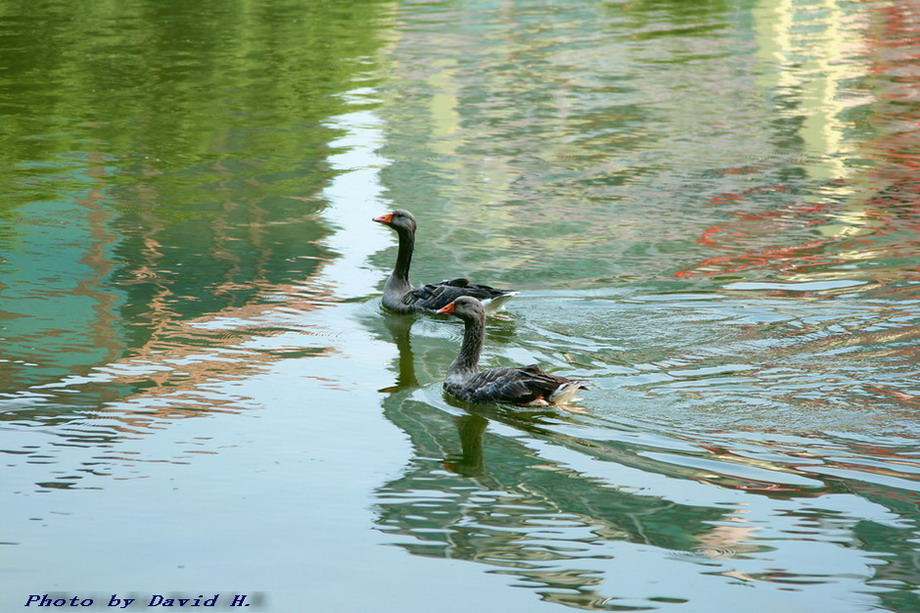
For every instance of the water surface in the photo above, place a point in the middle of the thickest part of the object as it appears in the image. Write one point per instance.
(710, 209)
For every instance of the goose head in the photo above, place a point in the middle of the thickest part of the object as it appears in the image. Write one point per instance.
(466, 308)
(400, 220)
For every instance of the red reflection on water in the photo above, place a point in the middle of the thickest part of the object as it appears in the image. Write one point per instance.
(748, 228)
(864, 208)
(894, 209)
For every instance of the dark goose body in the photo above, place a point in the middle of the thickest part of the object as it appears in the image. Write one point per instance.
(518, 385)
(400, 296)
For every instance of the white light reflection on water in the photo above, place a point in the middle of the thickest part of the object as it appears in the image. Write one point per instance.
(267, 479)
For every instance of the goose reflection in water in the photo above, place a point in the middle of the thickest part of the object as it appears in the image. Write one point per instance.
(477, 487)
(490, 497)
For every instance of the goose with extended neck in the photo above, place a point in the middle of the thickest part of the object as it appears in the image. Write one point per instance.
(518, 385)
(401, 296)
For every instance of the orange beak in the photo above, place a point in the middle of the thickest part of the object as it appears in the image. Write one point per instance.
(384, 218)
(446, 309)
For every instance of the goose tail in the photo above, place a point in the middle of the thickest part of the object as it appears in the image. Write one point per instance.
(567, 392)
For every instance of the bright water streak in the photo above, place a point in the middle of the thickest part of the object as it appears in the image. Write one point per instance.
(711, 209)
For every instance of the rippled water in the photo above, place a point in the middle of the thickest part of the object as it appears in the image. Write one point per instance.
(710, 209)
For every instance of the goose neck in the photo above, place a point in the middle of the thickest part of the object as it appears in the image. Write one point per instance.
(404, 255)
(474, 332)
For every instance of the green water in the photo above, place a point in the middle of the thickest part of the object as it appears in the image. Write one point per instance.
(710, 211)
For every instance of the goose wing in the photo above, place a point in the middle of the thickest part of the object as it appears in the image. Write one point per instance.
(436, 295)
(516, 385)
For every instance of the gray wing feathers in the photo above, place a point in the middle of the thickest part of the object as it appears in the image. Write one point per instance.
(436, 295)
(518, 385)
